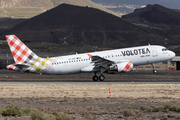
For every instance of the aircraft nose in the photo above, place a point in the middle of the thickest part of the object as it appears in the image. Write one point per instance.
(173, 54)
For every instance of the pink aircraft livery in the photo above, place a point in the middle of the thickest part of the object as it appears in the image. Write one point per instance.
(110, 61)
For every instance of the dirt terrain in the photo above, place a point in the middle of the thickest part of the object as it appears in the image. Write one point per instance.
(91, 100)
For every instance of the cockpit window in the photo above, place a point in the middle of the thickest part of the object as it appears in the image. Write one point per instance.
(164, 49)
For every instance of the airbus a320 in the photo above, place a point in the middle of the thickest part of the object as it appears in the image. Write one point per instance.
(110, 61)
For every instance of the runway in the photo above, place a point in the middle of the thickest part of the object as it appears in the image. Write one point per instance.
(85, 82)
(136, 77)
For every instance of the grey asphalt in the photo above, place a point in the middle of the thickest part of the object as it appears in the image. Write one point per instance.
(107, 81)
(49, 82)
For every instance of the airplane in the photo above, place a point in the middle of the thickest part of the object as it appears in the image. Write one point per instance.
(109, 61)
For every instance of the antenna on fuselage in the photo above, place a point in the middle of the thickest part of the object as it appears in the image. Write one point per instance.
(149, 44)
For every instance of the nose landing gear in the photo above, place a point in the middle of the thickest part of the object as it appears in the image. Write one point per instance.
(154, 70)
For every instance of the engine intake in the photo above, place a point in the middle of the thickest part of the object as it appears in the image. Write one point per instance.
(122, 67)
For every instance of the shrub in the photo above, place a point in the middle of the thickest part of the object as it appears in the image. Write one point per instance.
(150, 109)
(26, 111)
(175, 108)
(156, 108)
(55, 113)
(37, 115)
(127, 112)
(160, 108)
(12, 111)
(62, 116)
(167, 107)
(167, 110)
(88, 115)
(144, 107)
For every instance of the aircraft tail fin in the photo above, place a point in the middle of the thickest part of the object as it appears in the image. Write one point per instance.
(21, 53)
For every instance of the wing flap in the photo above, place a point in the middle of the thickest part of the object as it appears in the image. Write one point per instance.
(100, 62)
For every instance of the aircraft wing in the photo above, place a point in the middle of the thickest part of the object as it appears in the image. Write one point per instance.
(101, 62)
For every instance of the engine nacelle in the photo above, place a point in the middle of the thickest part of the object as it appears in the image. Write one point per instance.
(121, 67)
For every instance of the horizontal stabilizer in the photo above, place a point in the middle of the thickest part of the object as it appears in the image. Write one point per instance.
(17, 66)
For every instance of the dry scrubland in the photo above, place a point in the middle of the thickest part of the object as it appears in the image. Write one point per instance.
(67, 93)
(130, 91)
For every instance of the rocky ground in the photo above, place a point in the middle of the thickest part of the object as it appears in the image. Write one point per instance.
(92, 101)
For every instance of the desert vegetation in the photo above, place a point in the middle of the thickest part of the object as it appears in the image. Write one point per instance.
(52, 113)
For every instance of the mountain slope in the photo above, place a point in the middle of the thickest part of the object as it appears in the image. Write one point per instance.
(25, 3)
(159, 20)
(45, 5)
(82, 26)
(156, 14)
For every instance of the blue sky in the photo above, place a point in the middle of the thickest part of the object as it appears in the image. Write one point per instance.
(175, 4)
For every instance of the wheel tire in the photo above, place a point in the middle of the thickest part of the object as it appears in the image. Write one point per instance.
(154, 71)
(95, 78)
(101, 77)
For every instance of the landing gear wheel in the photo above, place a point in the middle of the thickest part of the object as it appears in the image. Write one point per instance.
(95, 78)
(101, 77)
(154, 71)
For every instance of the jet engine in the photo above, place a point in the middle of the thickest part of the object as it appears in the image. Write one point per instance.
(121, 67)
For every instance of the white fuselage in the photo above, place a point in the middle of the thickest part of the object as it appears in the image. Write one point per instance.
(137, 55)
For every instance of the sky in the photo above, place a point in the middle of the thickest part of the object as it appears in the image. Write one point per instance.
(175, 4)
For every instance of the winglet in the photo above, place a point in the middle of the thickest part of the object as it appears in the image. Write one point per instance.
(90, 56)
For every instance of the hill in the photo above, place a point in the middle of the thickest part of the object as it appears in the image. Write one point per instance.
(82, 26)
(158, 20)
(156, 14)
(30, 8)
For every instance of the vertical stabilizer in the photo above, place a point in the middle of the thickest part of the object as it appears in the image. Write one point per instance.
(21, 53)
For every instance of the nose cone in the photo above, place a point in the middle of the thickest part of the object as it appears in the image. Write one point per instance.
(173, 54)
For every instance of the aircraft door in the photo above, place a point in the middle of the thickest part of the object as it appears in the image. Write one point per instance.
(154, 52)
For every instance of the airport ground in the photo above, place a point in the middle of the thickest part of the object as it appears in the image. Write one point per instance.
(81, 98)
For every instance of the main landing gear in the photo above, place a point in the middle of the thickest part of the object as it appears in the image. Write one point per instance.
(154, 71)
(100, 78)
